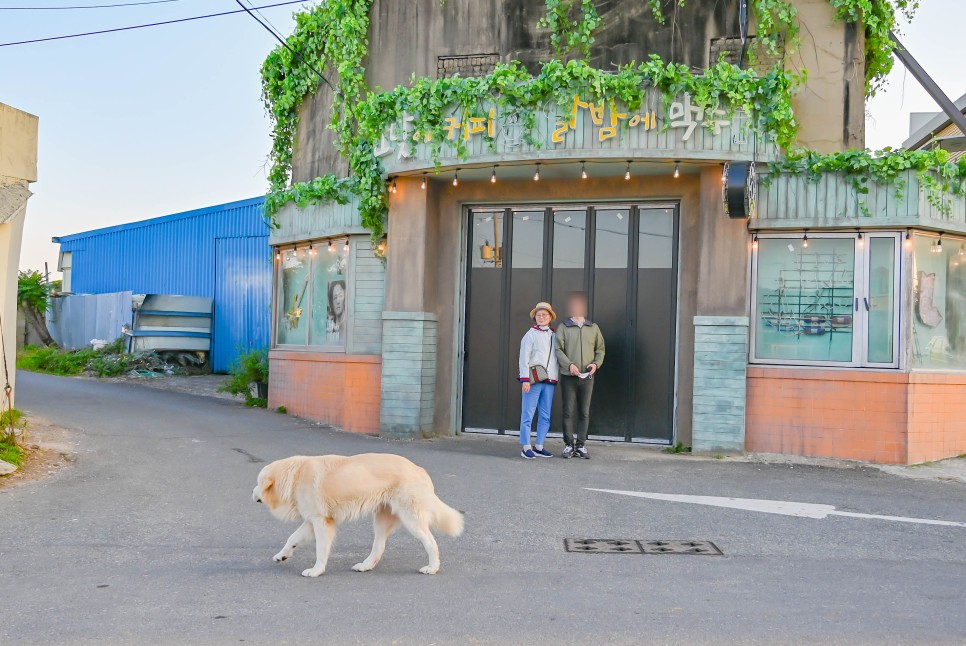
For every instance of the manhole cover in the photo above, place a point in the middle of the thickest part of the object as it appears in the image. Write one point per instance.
(630, 546)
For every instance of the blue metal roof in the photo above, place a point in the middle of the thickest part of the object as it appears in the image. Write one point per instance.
(187, 254)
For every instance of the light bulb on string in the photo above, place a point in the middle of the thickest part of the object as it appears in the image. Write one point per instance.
(422, 184)
(754, 242)
(393, 187)
(346, 246)
(939, 244)
(536, 174)
(278, 254)
(583, 170)
(627, 173)
(331, 247)
(677, 169)
(805, 241)
(908, 239)
(493, 176)
(456, 177)
(861, 241)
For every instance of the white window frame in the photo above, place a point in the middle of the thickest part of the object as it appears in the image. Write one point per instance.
(860, 318)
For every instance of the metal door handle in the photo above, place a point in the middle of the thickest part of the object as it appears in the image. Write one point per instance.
(866, 304)
(856, 303)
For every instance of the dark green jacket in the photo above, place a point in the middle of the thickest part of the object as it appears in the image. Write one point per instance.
(579, 345)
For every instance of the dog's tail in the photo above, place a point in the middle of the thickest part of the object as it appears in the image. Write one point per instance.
(445, 518)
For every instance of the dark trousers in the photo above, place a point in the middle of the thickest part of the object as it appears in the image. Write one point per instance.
(576, 407)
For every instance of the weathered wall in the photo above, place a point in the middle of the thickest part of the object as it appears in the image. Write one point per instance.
(18, 167)
(408, 38)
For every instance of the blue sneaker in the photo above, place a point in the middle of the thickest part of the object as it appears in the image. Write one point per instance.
(528, 454)
(542, 453)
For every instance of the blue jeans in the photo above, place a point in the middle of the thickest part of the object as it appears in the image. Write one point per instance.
(539, 399)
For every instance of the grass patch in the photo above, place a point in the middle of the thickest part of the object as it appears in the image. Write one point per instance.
(677, 448)
(110, 361)
(11, 453)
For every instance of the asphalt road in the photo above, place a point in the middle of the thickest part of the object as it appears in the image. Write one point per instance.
(152, 537)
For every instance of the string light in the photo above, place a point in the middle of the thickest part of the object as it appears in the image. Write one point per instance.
(493, 176)
(962, 250)
(908, 239)
(861, 240)
(754, 242)
(627, 173)
(677, 169)
(583, 170)
(311, 249)
(536, 174)
(331, 247)
(346, 247)
(456, 177)
(805, 241)
(939, 244)
(393, 187)
(278, 253)
(422, 184)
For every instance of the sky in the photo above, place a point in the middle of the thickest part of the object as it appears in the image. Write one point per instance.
(155, 121)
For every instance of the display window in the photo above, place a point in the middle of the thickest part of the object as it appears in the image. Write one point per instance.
(312, 295)
(826, 299)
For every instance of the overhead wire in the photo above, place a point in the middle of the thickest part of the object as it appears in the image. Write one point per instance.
(89, 6)
(279, 38)
(151, 24)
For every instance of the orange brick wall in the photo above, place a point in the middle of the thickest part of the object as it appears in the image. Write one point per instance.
(884, 417)
(937, 416)
(338, 389)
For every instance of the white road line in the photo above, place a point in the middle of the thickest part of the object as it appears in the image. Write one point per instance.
(782, 507)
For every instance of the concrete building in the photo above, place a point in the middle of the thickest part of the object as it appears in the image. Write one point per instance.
(936, 128)
(715, 338)
(18, 168)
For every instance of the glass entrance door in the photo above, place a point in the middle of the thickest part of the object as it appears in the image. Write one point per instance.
(625, 258)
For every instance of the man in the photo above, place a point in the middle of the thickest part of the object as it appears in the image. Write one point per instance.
(580, 353)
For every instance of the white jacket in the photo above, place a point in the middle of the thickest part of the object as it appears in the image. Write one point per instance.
(537, 347)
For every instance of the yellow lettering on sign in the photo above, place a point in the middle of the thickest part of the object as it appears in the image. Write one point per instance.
(453, 125)
(558, 135)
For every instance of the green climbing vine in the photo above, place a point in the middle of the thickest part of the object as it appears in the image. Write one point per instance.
(937, 174)
(331, 40)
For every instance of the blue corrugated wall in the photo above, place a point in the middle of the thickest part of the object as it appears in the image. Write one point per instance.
(221, 252)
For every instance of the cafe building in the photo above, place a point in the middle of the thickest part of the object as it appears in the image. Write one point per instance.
(740, 313)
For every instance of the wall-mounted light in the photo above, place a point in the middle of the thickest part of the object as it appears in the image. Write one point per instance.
(805, 240)
(456, 177)
(860, 240)
(754, 242)
(422, 184)
(536, 174)
(583, 170)
(627, 173)
(677, 169)
(908, 239)
(493, 176)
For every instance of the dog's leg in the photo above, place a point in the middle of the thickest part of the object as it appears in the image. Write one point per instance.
(420, 529)
(383, 524)
(300, 535)
(324, 534)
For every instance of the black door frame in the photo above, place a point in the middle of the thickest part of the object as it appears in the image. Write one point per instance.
(635, 207)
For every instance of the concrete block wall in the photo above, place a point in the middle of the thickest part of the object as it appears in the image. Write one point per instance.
(720, 372)
(408, 374)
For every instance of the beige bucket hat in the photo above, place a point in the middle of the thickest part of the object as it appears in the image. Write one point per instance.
(543, 306)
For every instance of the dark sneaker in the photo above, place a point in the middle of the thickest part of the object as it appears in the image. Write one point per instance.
(528, 454)
(581, 452)
(568, 452)
(542, 453)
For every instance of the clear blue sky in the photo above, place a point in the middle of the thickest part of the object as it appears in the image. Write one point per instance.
(155, 121)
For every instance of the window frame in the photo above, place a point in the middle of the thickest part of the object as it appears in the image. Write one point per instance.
(320, 246)
(861, 289)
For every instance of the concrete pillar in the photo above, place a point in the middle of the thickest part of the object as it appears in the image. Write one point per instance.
(721, 326)
(409, 329)
(11, 234)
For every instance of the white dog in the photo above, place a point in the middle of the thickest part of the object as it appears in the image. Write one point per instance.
(327, 490)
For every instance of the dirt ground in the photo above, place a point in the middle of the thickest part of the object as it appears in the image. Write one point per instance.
(49, 449)
(202, 385)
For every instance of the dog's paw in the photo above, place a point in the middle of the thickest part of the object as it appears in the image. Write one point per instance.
(312, 572)
(281, 556)
(428, 569)
(362, 567)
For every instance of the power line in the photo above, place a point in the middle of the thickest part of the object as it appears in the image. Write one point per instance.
(152, 24)
(284, 44)
(89, 6)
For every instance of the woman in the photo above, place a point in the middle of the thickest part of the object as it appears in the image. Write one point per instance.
(538, 375)
(337, 312)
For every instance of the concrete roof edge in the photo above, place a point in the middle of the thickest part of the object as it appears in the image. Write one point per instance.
(925, 133)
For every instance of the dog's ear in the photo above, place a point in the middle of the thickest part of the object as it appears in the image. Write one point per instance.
(268, 483)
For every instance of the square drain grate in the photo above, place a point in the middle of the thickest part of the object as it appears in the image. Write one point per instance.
(629, 546)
